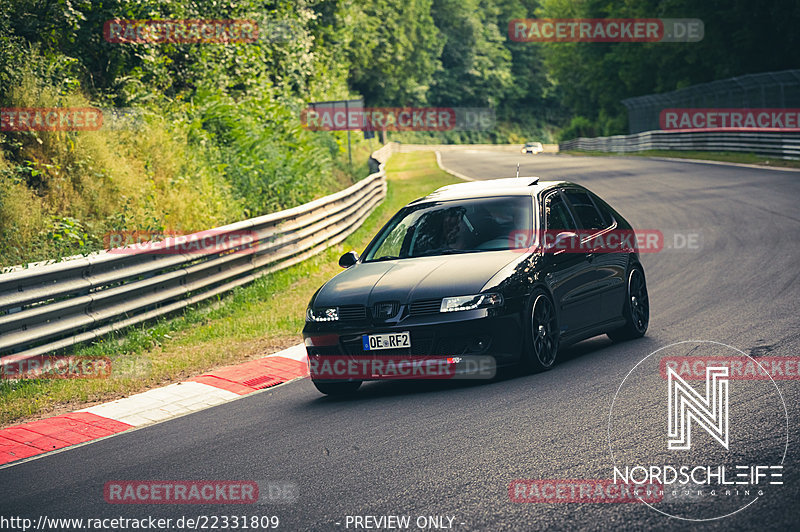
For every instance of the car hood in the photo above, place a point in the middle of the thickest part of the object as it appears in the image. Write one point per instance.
(407, 280)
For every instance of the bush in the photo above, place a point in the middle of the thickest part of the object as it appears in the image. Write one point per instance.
(579, 126)
(216, 143)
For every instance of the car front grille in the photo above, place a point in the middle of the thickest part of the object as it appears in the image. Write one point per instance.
(352, 313)
(425, 306)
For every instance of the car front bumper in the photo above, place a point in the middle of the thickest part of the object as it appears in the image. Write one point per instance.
(477, 333)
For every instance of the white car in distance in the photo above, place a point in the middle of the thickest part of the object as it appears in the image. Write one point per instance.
(532, 147)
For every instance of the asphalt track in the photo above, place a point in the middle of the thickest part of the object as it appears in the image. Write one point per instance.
(446, 448)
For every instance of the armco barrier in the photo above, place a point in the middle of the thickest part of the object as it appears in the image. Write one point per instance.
(48, 307)
(785, 145)
(408, 148)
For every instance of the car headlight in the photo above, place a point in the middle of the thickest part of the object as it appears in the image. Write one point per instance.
(453, 304)
(322, 314)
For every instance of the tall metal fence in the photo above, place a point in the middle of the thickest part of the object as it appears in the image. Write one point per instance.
(785, 145)
(49, 307)
(765, 90)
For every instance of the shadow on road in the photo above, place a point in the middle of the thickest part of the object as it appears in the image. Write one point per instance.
(571, 358)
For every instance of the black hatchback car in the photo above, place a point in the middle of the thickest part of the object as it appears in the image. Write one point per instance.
(512, 269)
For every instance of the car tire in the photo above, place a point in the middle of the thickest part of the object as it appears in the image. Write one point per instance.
(337, 388)
(542, 333)
(636, 309)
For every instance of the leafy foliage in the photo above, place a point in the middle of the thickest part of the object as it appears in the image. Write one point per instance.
(740, 38)
(220, 136)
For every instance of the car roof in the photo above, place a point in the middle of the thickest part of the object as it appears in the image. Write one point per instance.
(509, 186)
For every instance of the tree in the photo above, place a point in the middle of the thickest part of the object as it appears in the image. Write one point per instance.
(476, 64)
(740, 38)
(393, 48)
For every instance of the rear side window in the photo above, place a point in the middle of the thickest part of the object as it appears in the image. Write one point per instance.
(557, 213)
(605, 210)
(588, 217)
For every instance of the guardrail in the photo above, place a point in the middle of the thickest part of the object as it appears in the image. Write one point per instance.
(409, 148)
(785, 145)
(49, 307)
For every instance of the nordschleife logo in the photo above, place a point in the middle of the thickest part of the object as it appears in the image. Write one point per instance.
(709, 412)
(718, 447)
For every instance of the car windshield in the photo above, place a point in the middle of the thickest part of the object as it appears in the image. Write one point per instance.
(449, 227)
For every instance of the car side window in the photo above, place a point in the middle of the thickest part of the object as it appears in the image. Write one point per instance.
(605, 210)
(557, 215)
(587, 214)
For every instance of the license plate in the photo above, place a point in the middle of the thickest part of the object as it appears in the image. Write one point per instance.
(374, 342)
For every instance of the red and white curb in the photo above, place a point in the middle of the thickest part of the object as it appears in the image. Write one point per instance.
(225, 384)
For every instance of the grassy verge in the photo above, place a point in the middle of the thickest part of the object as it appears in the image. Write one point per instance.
(247, 323)
(728, 157)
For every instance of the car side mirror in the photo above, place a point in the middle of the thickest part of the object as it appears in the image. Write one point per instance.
(565, 240)
(348, 259)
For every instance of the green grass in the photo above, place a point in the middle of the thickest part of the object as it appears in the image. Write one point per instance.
(184, 165)
(729, 157)
(247, 323)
